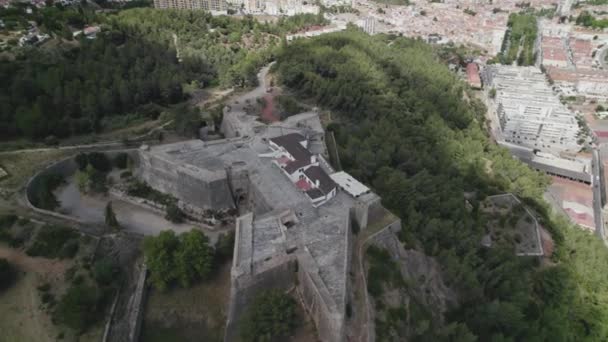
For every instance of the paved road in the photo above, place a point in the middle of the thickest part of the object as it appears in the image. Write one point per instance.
(597, 197)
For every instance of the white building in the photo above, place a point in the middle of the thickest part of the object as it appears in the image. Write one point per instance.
(530, 114)
(274, 7)
(291, 155)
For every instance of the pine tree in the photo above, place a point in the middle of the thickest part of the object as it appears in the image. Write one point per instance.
(111, 220)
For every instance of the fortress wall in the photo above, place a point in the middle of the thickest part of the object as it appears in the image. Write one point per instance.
(258, 202)
(238, 180)
(328, 318)
(185, 185)
(246, 194)
(278, 273)
(228, 126)
(368, 208)
(158, 173)
(202, 193)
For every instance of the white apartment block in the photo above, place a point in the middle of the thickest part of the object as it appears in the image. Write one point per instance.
(530, 114)
(275, 7)
(207, 5)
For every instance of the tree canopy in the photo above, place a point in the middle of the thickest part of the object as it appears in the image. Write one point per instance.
(8, 274)
(185, 258)
(271, 317)
(81, 88)
(406, 125)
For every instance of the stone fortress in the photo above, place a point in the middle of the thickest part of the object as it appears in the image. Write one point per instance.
(296, 212)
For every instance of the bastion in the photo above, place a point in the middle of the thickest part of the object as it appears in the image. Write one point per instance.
(295, 224)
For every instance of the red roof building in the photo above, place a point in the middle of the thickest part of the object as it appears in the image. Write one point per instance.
(473, 76)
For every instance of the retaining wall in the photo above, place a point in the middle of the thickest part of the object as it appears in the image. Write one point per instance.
(65, 167)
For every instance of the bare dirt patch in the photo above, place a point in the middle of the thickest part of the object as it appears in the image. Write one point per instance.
(23, 318)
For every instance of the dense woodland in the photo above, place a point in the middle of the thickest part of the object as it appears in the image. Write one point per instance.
(404, 127)
(75, 88)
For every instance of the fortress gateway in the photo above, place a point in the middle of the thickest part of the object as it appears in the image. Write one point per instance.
(296, 212)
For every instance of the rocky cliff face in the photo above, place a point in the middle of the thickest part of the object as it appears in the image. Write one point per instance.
(415, 306)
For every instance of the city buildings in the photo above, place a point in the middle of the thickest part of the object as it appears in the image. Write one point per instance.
(274, 7)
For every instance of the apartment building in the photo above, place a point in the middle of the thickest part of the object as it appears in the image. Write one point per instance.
(530, 114)
(207, 5)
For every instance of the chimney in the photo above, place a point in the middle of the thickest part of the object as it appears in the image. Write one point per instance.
(317, 183)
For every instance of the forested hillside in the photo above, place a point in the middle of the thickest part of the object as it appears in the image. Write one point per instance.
(233, 48)
(404, 126)
(70, 89)
(70, 92)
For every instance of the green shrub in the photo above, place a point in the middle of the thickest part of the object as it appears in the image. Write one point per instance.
(224, 247)
(70, 273)
(289, 106)
(271, 317)
(79, 279)
(174, 213)
(184, 259)
(382, 270)
(143, 190)
(121, 161)
(50, 242)
(82, 160)
(47, 298)
(99, 162)
(8, 274)
(42, 192)
(44, 287)
(105, 271)
(79, 308)
(69, 249)
(7, 221)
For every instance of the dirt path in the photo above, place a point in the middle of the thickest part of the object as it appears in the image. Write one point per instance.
(42, 266)
(23, 319)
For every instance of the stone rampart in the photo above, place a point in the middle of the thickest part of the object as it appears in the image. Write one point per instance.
(368, 208)
(188, 184)
(323, 310)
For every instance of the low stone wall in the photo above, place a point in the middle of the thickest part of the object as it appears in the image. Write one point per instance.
(65, 167)
(135, 315)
